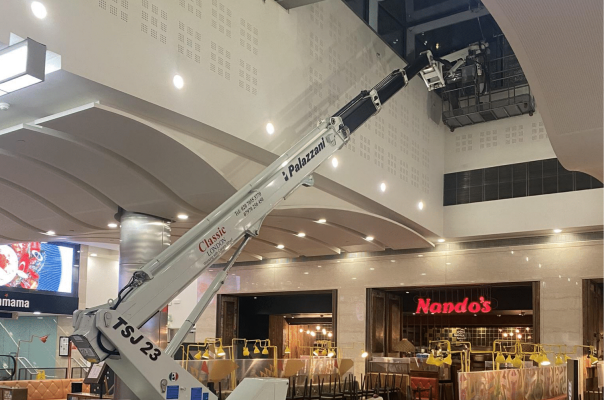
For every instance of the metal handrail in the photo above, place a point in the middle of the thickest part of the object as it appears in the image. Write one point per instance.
(24, 371)
(14, 369)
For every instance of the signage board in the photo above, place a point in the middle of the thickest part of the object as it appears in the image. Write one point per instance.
(64, 346)
(427, 306)
(39, 277)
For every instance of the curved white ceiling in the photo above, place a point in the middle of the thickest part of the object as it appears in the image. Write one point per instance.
(560, 47)
(71, 172)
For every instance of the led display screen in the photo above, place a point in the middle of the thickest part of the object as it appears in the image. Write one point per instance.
(37, 266)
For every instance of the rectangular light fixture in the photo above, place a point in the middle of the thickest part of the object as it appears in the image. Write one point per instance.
(21, 65)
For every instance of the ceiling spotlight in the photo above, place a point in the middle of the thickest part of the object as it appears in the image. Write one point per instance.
(321, 221)
(51, 233)
(557, 230)
(280, 246)
(112, 225)
(178, 81)
(270, 128)
(441, 240)
(369, 238)
(301, 234)
(39, 10)
(182, 216)
(93, 254)
(382, 187)
(334, 162)
(420, 205)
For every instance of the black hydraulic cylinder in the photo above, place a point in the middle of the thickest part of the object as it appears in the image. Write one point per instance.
(361, 108)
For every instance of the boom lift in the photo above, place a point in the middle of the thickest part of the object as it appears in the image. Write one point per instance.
(111, 332)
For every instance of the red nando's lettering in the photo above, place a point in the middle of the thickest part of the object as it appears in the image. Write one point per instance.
(426, 306)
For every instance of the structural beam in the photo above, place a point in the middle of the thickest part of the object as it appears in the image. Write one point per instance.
(289, 4)
(429, 12)
(449, 20)
(413, 31)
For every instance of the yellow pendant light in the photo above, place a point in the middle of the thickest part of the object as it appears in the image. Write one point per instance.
(500, 358)
(323, 352)
(246, 352)
(206, 354)
(593, 359)
(265, 351)
(534, 357)
(558, 360)
(256, 349)
(517, 362)
(447, 360)
(509, 359)
(315, 352)
(198, 355)
(544, 360)
(220, 351)
(431, 360)
(331, 352)
(287, 350)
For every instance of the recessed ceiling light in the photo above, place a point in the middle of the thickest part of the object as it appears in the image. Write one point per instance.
(39, 10)
(557, 230)
(306, 273)
(37, 313)
(270, 128)
(407, 292)
(448, 263)
(178, 81)
(392, 260)
(382, 187)
(420, 255)
(320, 266)
(420, 205)
(423, 274)
(112, 225)
(441, 240)
(93, 254)
(334, 162)
(321, 221)
(369, 238)
(280, 246)
(354, 278)
(284, 164)
(372, 269)
(526, 258)
(301, 234)
(51, 233)
(182, 216)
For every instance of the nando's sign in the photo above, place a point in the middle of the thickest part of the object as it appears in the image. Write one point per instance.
(426, 306)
